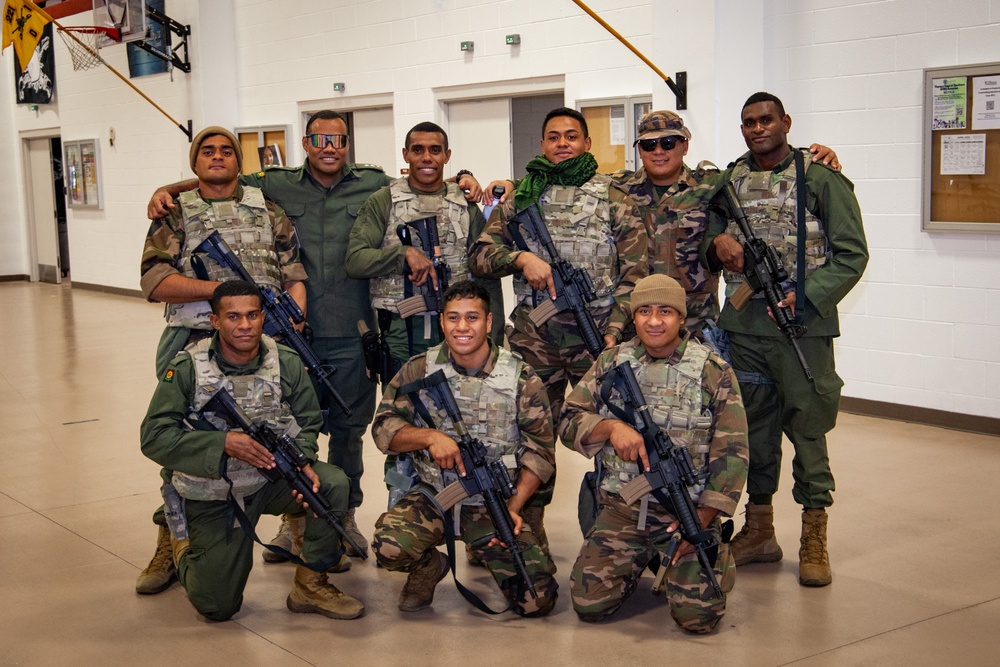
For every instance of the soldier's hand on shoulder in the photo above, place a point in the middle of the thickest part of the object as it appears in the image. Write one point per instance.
(241, 446)
(159, 205)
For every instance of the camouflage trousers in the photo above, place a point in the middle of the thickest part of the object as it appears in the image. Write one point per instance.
(616, 552)
(414, 525)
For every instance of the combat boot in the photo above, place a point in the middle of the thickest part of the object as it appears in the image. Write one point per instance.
(418, 591)
(289, 538)
(755, 543)
(313, 594)
(351, 528)
(814, 561)
(161, 571)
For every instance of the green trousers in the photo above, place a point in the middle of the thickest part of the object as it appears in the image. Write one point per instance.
(779, 399)
(214, 571)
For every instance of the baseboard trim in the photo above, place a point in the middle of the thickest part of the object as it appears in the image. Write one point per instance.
(909, 413)
(107, 289)
(14, 278)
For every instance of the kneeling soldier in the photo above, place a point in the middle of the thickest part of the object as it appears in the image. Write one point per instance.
(506, 408)
(693, 398)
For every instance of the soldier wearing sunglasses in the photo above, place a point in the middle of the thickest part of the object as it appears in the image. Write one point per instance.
(322, 197)
(674, 201)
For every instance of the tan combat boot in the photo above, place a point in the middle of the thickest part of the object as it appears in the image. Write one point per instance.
(814, 561)
(755, 543)
(289, 538)
(313, 594)
(161, 571)
(418, 591)
(351, 528)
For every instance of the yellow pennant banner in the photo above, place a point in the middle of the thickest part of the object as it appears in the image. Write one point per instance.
(22, 27)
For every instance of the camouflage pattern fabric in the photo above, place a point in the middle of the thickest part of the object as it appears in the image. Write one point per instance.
(413, 526)
(163, 252)
(616, 552)
(728, 450)
(675, 226)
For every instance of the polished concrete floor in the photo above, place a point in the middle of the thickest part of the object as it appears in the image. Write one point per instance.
(913, 541)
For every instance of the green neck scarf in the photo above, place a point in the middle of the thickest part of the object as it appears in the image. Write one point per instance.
(542, 173)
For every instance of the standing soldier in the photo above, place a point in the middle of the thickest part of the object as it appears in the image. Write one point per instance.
(811, 216)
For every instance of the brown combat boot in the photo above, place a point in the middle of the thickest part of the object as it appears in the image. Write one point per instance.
(313, 594)
(351, 528)
(814, 561)
(755, 543)
(418, 591)
(161, 571)
(289, 538)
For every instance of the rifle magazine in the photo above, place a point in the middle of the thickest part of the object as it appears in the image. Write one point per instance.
(451, 495)
(414, 305)
(543, 312)
(741, 296)
(636, 489)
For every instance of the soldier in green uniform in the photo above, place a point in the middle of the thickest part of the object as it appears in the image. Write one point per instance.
(597, 227)
(323, 197)
(215, 468)
(693, 396)
(503, 404)
(773, 180)
(259, 234)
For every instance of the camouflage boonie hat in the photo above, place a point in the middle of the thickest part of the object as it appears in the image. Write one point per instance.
(658, 124)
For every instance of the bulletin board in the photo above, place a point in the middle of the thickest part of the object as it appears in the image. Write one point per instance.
(961, 166)
(82, 173)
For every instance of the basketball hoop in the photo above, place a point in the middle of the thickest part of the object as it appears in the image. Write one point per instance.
(84, 42)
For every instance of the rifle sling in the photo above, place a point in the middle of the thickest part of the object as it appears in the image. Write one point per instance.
(800, 247)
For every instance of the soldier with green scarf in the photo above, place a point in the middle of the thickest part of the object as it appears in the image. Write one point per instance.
(595, 226)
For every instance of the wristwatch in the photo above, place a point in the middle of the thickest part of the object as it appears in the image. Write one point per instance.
(462, 172)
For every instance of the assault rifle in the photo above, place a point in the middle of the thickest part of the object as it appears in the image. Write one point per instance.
(671, 470)
(289, 460)
(432, 300)
(281, 310)
(764, 272)
(490, 478)
(574, 289)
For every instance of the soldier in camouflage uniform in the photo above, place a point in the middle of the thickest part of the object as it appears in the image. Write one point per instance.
(772, 180)
(595, 226)
(504, 405)
(215, 468)
(260, 236)
(674, 202)
(693, 396)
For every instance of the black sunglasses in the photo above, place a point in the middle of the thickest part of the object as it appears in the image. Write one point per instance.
(666, 143)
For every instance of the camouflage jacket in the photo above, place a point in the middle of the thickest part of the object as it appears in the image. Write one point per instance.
(492, 255)
(729, 452)
(675, 226)
(161, 253)
(534, 416)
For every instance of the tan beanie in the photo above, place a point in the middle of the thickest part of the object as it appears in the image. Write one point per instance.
(211, 131)
(659, 290)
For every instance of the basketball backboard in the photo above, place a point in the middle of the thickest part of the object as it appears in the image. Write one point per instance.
(128, 16)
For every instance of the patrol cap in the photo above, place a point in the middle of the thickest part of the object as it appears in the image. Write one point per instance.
(659, 290)
(211, 131)
(658, 124)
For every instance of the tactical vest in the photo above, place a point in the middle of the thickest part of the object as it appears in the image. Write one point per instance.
(579, 222)
(259, 395)
(245, 226)
(673, 394)
(489, 409)
(452, 213)
(769, 200)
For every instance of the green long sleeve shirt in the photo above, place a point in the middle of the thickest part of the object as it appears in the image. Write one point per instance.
(166, 440)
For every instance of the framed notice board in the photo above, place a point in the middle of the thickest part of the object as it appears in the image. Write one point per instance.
(961, 166)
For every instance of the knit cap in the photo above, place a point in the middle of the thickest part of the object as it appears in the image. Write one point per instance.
(659, 290)
(211, 131)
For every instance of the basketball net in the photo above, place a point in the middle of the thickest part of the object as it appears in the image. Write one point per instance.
(83, 44)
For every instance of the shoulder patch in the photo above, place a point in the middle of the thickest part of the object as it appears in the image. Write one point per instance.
(259, 174)
(169, 375)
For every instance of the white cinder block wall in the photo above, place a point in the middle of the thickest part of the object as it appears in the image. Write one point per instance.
(923, 329)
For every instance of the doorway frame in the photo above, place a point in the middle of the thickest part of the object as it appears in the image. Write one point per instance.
(30, 219)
